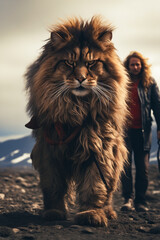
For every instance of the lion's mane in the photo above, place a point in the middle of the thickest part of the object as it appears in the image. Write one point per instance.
(101, 115)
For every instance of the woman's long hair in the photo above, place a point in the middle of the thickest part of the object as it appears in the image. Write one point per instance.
(146, 68)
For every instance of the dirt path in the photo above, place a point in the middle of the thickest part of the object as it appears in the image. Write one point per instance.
(21, 205)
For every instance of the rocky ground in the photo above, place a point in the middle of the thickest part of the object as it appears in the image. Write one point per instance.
(21, 206)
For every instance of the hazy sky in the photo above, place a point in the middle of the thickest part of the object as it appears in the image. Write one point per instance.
(24, 27)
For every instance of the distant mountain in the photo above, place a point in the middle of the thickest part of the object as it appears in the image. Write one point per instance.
(16, 152)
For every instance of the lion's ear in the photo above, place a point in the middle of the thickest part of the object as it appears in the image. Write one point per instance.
(105, 36)
(59, 38)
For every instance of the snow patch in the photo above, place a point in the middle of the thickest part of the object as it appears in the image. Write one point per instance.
(15, 152)
(153, 159)
(2, 159)
(21, 158)
(29, 161)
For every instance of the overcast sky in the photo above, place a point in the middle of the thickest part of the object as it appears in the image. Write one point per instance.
(24, 27)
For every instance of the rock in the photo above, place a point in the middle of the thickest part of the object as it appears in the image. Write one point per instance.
(17, 186)
(35, 206)
(143, 229)
(20, 180)
(75, 226)
(156, 192)
(23, 182)
(2, 196)
(15, 230)
(23, 190)
(58, 226)
(87, 230)
(6, 179)
(9, 199)
(151, 183)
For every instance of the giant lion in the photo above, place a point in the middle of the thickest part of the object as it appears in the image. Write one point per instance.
(77, 103)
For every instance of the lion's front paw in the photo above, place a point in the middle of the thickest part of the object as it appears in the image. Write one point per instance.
(54, 214)
(91, 217)
(110, 213)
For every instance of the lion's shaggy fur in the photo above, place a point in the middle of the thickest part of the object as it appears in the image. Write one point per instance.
(101, 113)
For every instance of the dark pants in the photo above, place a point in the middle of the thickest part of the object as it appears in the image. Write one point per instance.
(135, 145)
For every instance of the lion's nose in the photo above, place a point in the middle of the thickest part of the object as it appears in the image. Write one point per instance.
(81, 78)
(81, 74)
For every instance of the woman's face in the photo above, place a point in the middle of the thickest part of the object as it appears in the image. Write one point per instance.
(135, 65)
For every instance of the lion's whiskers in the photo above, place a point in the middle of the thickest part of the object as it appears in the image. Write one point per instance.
(58, 90)
(100, 92)
(107, 87)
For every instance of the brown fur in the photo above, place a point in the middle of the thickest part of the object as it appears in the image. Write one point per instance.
(84, 51)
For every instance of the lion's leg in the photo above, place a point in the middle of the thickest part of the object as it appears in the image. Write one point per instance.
(52, 181)
(92, 197)
(108, 209)
(54, 189)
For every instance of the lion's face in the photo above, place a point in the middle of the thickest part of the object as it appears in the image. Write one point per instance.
(80, 72)
(75, 63)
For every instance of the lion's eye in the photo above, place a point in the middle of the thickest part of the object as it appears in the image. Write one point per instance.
(91, 63)
(70, 63)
